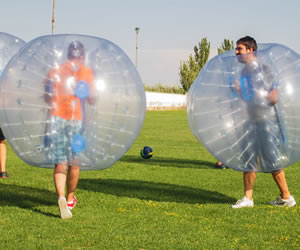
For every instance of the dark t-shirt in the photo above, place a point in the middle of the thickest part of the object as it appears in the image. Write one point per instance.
(257, 81)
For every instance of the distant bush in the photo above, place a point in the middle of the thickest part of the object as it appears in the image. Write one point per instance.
(164, 89)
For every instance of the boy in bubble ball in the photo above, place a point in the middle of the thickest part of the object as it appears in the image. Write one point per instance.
(262, 115)
(68, 86)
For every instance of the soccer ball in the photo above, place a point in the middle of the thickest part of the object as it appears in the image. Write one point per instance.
(146, 152)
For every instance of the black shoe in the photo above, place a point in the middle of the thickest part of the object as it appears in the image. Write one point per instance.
(220, 165)
(3, 175)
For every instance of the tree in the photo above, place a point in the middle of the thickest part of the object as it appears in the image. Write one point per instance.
(190, 69)
(225, 46)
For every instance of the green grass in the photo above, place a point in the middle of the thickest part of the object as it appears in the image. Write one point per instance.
(164, 89)
(175, 200)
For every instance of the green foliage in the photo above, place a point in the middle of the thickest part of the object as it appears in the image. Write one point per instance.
(190, 69)
(202, 52)
(175, 200)
(164, 89)
(225, 46)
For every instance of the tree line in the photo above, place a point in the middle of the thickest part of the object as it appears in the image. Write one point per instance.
(190, 69)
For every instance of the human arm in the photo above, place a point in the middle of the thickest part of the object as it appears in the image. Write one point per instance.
(273, 96)
(237, 85)
(91, 99)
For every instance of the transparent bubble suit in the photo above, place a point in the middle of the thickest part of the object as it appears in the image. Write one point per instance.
(239, 125)
(9, 46)
(57, 110)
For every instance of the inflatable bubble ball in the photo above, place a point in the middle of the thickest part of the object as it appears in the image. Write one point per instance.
(245, 109)
(9, 46)
(71, 99)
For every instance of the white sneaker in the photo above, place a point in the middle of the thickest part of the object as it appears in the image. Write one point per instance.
(65, 212)
(279, 202)
(244, 202)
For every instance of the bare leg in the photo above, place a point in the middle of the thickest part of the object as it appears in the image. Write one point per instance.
(60, 179)
(60, 184)
(280, 180)
(72, 181)
(3, 156)
(249, 179)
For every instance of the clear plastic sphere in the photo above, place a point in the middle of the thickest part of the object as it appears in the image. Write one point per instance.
(9, 46)
(71, 99)
(232, 113)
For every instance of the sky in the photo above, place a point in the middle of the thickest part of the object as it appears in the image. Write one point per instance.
(169, 29)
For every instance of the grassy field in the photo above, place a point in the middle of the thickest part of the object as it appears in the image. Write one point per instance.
(176, 200)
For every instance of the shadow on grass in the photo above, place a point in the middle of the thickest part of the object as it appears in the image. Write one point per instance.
(153, 191)
(26, 198)
(169, 162)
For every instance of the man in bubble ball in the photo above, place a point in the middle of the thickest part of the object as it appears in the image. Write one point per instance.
(68, 87)
(262, 116)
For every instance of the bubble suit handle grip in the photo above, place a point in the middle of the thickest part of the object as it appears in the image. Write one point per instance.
(247, 89)
(78, 143)
(82, 90)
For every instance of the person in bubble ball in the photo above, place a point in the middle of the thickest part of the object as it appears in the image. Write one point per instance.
(67, 89)
(263, 117)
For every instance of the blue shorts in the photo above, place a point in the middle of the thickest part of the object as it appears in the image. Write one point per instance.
(59, 139)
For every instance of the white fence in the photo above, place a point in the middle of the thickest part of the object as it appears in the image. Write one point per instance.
(163, 101)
